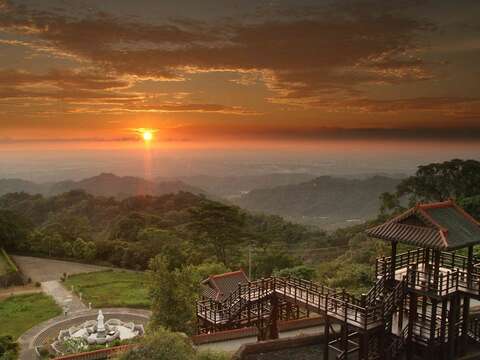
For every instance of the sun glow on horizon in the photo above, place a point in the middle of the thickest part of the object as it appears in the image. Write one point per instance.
(147, 135)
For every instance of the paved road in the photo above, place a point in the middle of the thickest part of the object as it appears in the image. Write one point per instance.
(40, 269)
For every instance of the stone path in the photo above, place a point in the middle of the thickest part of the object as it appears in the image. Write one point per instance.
(62, 296)
(49, 329)
(19, 290)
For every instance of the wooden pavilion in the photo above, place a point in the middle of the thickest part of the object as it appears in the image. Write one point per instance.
(418, 306)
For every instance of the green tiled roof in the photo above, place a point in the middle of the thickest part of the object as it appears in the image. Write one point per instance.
(462, 231)
(443, 226)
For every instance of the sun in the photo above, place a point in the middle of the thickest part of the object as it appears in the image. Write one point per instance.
(147, 135)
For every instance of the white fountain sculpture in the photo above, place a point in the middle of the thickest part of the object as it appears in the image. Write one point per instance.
(97, 332)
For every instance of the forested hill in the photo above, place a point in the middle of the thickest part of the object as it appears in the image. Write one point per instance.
(326, 198)
(102, 185)
(187, 228)
(233, 186)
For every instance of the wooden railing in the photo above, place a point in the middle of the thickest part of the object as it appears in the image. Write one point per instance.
(340, 304)
(383, 265)
(444, 283)
(397, 346)
(448, 260)
(474, 328)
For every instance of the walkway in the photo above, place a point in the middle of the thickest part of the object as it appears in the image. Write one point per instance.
(49, 329)
(62, 296)
(19, 290)
(234, 345)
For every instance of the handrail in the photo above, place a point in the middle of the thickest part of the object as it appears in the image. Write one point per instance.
(448, 260)
(338, 303)
(474, 328)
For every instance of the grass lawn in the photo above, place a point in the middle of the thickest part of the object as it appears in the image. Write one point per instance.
(4, 264)
(112, 288)
(21, 312)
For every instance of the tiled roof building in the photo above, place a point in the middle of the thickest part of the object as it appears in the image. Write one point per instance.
(219, 287)
(441, 226)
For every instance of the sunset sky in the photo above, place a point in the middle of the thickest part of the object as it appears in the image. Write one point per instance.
(216, 70)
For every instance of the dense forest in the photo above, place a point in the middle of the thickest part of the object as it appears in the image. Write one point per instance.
(104, 184)
(324, 201)
(188, 228)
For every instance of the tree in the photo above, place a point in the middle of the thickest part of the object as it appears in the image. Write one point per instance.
(457, 179)
(166, 345)
(204, 270)
(271, 260)
(174, 294)
(162, 345)
(471, 205)
(219, 228)
(301, 271)
(13, 229)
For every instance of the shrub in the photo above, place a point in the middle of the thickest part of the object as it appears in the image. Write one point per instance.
(212, 355)
(8, 348)
(162, 345)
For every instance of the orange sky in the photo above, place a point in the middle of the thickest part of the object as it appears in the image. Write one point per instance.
(216, 71)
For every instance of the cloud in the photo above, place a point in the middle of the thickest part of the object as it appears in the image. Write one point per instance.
(300, 57)
(64, 79)
(97, 93)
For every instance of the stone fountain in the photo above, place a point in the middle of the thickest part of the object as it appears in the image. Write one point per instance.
(95, 332)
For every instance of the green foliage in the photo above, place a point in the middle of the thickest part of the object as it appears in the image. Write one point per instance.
(8, 348)
(13, 229)
(471, 205)
(21, 312)
(322, 201)
(353, 270)
(212, 355)
(162, 345)
(174, 294)
(112, 288)
(167, 345)
(186, 229)
(300, 271)
(268, 261)
(457, 179)
(204, 270)
(218, 229)
(6, 264)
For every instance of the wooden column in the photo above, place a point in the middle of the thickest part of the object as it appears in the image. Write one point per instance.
(274, 318)
(327, 337)
(363, 345)
(470, 266)
(452, 319)
(465, 316)
(433, 323)
(393, 262)
(443, 328)
(436, 268)
(427, 259)
(412, 314)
